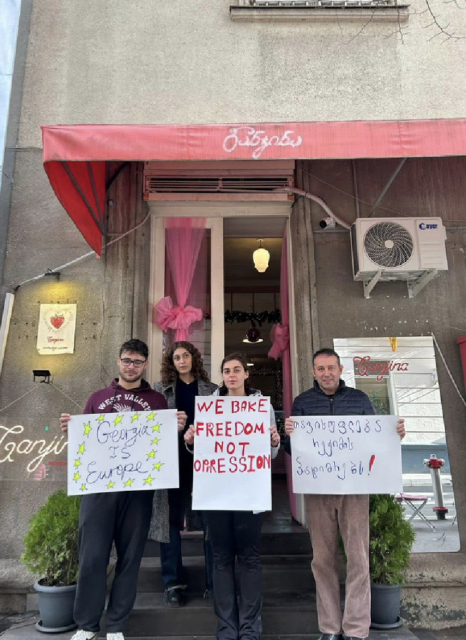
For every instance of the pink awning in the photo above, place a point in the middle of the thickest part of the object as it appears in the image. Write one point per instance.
(75, 155)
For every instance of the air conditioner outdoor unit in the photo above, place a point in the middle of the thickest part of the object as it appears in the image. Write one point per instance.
(411, 249)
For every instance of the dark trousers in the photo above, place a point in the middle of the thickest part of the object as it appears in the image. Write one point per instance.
(236, 534)
(123, 518)
(170, 552)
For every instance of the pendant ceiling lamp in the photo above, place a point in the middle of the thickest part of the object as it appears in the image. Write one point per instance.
(253, 336)
(261, 258)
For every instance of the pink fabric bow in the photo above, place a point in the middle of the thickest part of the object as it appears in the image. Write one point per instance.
(170, 316)
(280, 336)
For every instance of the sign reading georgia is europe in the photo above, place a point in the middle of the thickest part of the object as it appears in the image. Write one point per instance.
(232, 457)
(346, 455)
(126, 451)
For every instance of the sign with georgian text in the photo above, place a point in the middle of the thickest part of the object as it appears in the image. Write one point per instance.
(346, 455)
(129, 451)
(232, 455)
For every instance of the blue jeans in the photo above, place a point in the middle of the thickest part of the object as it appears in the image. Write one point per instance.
(170, 552)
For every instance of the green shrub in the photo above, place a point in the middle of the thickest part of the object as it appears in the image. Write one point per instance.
(391, 540)
(51, 543)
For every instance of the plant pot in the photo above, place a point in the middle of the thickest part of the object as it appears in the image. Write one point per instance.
(56, 608)
(385, 606)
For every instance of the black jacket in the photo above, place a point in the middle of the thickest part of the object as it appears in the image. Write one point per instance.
(345, 402)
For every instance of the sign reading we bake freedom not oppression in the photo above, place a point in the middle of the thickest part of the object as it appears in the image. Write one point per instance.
(128, 451)
(346, 455)
(232, 457)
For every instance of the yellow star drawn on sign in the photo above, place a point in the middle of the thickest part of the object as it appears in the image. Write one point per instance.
(151, 454)
(110, 485)
(158, 465)
(76, 476)
(83, 487)
(155, 441)
(100, 418)
(87, 429)
(82, 448)
(135, 417)
(77, 463)
(129, 482)
(149, 480)
(156, 427)
(151, 416)
(117, 420)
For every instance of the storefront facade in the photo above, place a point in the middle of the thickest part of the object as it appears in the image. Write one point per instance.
(346, 126)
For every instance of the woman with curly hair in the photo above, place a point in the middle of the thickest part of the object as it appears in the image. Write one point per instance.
(183, 378)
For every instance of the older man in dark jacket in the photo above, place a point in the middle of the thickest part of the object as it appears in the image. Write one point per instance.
(328, 514)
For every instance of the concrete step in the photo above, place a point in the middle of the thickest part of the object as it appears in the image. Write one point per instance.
(295, 542)
(281, 615)
(281, 574)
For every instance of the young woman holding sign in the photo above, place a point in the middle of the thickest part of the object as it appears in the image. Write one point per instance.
(237, 534)
(183, 378)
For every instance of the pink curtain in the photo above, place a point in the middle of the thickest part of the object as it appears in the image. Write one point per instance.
(280, 336)
(186, 277)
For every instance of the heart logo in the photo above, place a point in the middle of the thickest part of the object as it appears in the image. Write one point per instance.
(56, 320)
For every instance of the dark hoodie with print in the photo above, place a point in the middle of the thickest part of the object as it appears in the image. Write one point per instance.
(116, 399)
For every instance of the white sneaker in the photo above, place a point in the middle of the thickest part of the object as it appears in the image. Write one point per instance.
(84, 635)
(115, 636)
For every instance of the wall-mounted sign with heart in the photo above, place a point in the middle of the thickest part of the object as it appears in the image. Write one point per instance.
(57, 326)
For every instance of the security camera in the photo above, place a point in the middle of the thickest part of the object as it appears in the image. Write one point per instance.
(327, 223)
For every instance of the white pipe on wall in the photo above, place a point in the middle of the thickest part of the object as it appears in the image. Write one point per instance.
(5, 326)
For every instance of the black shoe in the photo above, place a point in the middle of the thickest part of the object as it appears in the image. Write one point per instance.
(354, 638)
(331, 636)
(207, 593)
(174, 597)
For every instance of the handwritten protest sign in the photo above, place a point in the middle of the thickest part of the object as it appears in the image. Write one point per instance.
(346, 455)
(126, 451)
(232, 459)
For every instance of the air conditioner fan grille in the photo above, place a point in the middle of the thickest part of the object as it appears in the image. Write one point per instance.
(388, 244)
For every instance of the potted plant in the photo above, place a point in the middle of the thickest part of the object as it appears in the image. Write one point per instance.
(391, 541)
(51, 551)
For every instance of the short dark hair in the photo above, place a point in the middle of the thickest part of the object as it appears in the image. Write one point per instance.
(136, 346)
(325, 352)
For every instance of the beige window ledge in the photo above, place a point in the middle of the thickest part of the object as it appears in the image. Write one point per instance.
(374, 13)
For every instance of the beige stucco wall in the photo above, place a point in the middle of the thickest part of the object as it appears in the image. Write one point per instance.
(186, 61)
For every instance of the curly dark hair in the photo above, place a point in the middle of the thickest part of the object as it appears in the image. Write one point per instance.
(168, 370)
(223, 391)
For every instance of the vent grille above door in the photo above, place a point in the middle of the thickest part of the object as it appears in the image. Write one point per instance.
(218, 181)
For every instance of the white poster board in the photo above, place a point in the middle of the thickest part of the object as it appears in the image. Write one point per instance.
(57, 326)
(346, 455)
(232, 456)
(129, 451)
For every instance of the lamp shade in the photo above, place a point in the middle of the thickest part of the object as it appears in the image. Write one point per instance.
(261, 259)
(253, 336)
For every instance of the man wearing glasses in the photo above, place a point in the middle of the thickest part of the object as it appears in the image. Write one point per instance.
(120, 517)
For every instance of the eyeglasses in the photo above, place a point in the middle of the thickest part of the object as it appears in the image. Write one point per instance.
(136, 363)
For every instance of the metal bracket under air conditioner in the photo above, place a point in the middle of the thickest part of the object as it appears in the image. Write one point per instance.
(370, 284)
(414, 285)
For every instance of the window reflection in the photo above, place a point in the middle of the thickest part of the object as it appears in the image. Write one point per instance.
(400, 377)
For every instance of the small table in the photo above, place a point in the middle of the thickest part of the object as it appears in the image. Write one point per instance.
(416, 502)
